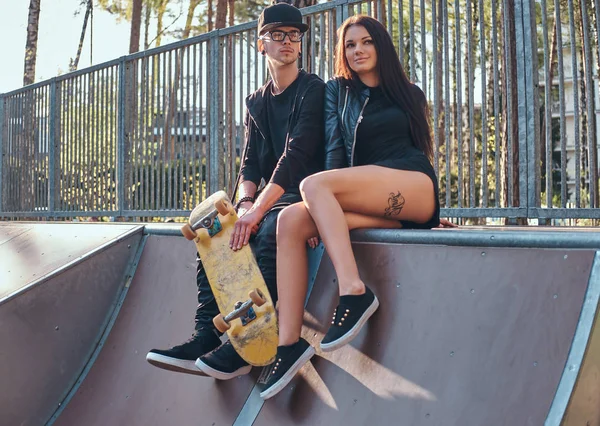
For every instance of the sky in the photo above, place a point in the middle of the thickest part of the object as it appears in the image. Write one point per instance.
(58, 37)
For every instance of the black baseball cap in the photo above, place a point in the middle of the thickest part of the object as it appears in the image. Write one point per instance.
(280, 15)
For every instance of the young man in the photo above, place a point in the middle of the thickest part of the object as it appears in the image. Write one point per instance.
(284, 144)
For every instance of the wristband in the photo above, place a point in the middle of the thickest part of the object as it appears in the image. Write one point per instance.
(243, 200)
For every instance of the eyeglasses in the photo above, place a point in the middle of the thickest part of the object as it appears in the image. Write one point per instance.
(294, 36)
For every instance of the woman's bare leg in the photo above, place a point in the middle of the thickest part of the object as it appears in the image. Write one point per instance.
(373, 191)
(294, 226)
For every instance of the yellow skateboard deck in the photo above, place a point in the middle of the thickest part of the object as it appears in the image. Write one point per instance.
(246, 308)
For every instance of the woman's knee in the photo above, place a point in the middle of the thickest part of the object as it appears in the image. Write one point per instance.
(312, 185)
(292, 221)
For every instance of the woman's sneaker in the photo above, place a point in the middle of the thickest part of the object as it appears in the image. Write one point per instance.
(288, 362)
(348, 318)
(182, 358)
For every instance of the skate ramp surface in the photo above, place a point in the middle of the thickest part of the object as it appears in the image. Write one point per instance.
(475, 327)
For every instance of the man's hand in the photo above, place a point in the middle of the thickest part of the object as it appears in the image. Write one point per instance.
(444, 223)
(246, 225)
(244, 207)
(313, 242)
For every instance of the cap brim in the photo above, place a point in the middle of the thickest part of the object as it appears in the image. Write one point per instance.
(302, 27)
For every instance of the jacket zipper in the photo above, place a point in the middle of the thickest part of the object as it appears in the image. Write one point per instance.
(345, 104)
(360, 117)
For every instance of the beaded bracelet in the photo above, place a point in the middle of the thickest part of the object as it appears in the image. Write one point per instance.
(243, 200)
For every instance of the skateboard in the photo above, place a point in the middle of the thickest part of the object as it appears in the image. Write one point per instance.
(246, 309)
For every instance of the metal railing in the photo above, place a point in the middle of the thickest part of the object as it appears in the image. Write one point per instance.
(153, 133)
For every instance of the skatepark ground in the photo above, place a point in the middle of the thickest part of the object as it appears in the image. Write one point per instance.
(477, 326)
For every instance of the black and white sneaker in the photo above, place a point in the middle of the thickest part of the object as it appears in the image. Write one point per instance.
(182, 358)
(348, 318)
(288, 362)
(223, 363)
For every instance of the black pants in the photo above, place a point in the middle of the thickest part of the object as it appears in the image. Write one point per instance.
(264, 246)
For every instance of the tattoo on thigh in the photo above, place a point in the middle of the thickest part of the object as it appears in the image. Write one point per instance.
(395, 204)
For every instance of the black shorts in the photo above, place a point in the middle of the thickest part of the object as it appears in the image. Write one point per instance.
(417, 163)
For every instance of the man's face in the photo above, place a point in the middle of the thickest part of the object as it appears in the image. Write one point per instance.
(282, 52)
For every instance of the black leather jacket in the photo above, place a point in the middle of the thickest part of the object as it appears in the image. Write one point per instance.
(343, 113)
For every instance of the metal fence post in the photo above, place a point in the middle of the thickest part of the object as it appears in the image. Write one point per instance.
(215, 158)
(529, 150)
(2, 130)
(120, 158)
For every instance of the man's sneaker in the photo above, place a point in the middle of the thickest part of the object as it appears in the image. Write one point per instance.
(348, 318)
(223, 363)
(182, 358)
(288, 362)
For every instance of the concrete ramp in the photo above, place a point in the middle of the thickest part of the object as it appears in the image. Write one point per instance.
(59, 285)
(476, 327)
(464, 336)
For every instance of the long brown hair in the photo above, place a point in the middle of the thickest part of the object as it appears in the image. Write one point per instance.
(393, 80)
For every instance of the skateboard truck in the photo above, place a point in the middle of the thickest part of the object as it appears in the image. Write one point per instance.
(242, 310)
(210, 222)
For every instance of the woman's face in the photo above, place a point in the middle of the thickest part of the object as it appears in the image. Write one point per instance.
(360, 50)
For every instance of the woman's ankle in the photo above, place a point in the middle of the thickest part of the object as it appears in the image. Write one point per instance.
(352, 289)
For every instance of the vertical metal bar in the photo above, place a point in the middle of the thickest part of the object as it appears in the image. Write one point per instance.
(471, 105)
(547, 105)
(322, 44)
(530, 149)
(447, 115)
(575, 79)
(189, 136)
(181, 140)
(496, 100)
(413, 66)
(3, 155)
(195, 84)
(52, 142)
(423, 49)
(203, 123)
(484, 141)
(591, 101)
(521, 101)
(154, 133)
(120, 171)
(561, 96)
(215, 58)
(389, 17)
(509, 94)
(401, 32)
(458, 123)
(164, 134)
(171, 113)
(436, 101)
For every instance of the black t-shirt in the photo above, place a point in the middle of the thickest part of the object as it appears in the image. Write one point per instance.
(384, 132)
(279, 108)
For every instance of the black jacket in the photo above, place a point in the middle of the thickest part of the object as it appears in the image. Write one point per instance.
(303, 153)
(344, 105)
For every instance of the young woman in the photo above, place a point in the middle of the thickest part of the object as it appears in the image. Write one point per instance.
(379, 175)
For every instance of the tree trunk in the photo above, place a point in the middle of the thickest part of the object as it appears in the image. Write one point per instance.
(209, 15)
(148, 14)
(189, 19)
(231, 8)
(75, 63)
(162, 8)
(31, 44)
(136, 24)
(221, 14)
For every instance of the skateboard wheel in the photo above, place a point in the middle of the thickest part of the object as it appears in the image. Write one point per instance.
(221, 324)
(257, 297)
(188, 232)
(223, 207)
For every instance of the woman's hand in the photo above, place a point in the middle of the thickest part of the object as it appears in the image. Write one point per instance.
(313, 242)
(246, 225)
